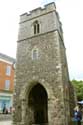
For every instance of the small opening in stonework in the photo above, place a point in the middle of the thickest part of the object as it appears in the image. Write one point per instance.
(38, 103)
(35, 54)
(36, 27)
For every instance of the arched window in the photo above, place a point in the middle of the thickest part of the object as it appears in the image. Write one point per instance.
(36, 27)
(35, 54)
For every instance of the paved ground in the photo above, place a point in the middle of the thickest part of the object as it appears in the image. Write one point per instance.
(10, 123)
(5, 123)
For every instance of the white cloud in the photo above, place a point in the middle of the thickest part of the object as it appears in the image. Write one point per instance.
(72, 18)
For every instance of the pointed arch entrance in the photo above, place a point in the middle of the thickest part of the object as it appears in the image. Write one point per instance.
(38, 103)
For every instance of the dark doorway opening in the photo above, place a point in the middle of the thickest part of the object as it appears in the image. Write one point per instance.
(38, 103)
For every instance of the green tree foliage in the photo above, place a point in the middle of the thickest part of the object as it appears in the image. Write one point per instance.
(78, 85)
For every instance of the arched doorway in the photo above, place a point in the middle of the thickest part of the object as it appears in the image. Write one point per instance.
(37, 102)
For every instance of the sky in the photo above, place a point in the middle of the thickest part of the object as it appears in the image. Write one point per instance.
(71, 16)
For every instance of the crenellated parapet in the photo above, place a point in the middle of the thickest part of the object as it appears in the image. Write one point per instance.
(38, 12)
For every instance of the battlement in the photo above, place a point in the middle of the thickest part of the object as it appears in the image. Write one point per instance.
(37, 12)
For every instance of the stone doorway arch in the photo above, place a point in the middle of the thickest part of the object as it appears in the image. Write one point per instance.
(34, 103)
(38, 105)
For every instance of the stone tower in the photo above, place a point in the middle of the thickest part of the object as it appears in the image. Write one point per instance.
(41, 83)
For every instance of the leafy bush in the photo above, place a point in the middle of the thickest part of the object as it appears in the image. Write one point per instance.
(78, 85)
